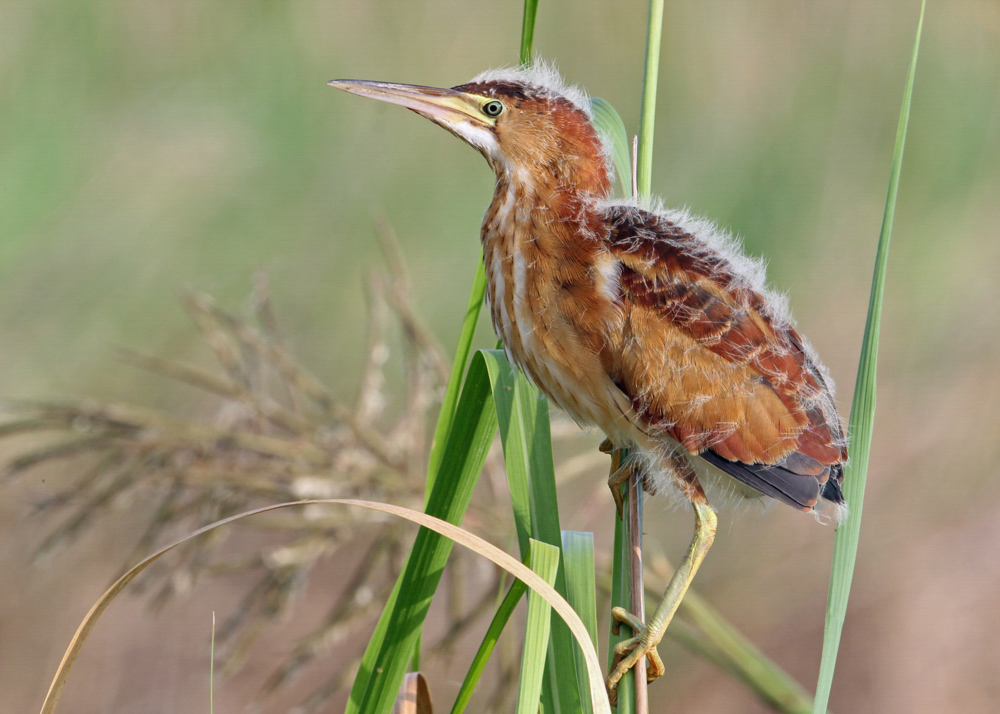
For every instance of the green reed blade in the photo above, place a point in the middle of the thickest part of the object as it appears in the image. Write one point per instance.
(544, 560)
(392, 645)
(845, 548)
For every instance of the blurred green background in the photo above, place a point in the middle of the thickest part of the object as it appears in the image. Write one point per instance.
(149, 146)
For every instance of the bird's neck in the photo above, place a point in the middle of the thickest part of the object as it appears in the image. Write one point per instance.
(544, 252)
(540, 236)
(552, 207)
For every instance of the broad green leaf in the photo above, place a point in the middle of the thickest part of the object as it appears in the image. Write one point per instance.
(389, 651)
(523, 420)
(845, 549)
(581, 593)
(544, 560)
(581, 576)
(375, 642)
(510, 421)
(609, 124)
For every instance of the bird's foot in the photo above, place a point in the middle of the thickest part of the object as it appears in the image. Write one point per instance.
(621, 472)
(630, 651)
(618, 478)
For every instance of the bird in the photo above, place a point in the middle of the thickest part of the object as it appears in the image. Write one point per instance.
(649, 324)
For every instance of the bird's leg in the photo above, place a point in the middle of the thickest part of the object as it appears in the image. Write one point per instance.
(648, 636)
(621, 471)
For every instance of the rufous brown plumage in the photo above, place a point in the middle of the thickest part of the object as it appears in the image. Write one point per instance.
(645, 323)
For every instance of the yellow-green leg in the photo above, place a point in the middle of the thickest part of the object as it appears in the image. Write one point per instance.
(648, 636)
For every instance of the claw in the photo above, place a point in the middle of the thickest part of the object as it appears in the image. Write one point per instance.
(628, 652)
(621, 472)
(620, 615)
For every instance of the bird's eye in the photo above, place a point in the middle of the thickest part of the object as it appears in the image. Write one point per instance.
(493, 109)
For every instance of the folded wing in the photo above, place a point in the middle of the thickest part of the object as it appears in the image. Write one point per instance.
(704, 357)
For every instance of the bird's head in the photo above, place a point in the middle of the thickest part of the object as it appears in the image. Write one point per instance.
(525, 122)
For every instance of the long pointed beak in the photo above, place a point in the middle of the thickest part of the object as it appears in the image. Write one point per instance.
(446, 106)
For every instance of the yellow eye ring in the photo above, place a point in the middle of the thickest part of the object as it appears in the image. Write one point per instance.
(493, 108)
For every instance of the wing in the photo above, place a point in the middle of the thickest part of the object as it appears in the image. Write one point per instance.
(706, 358)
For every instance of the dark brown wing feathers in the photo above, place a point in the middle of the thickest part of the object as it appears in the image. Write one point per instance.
(766, 416)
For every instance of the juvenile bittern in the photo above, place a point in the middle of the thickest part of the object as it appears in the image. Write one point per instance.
(645, 323)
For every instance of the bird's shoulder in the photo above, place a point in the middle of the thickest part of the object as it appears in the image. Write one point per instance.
(696, 275)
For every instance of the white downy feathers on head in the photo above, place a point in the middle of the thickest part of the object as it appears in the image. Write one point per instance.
(544, 75)
(541, 74)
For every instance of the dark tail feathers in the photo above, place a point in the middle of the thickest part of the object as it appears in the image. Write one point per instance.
(800, 490)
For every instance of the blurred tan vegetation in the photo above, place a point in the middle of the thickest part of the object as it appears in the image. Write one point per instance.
(147, 148)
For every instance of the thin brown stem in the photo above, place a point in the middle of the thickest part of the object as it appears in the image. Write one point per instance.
(635, 575)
